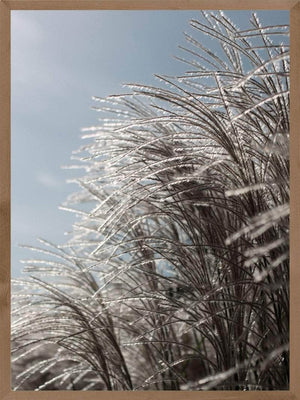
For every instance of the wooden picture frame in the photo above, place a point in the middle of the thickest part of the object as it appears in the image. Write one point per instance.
(5, 8)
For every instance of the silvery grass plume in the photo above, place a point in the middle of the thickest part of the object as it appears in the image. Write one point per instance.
(176, 275)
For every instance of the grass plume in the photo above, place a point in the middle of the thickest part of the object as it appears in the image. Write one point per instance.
(176, 276)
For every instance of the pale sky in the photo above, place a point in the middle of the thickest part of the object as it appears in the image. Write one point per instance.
(59, 60)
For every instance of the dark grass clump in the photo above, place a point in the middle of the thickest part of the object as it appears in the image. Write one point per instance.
(177, 273)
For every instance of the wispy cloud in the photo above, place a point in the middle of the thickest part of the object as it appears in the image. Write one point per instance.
(48, 180)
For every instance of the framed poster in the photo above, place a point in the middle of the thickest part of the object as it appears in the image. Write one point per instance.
(179, 270)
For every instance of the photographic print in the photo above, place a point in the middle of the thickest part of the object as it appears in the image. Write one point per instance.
(157, 258)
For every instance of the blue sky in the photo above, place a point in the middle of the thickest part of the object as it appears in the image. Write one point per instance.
(59, 60)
